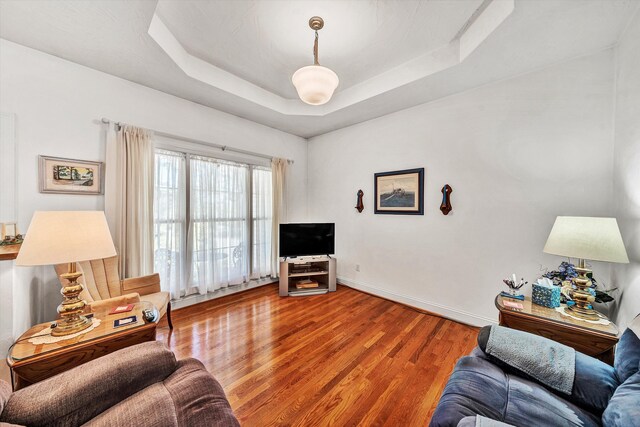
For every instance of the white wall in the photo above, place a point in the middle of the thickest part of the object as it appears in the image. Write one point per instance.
(517, 153)
(627, 168)
(57, 105)
(7, 214)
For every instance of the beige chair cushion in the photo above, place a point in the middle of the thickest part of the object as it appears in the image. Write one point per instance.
(159, 300)
(102, 283)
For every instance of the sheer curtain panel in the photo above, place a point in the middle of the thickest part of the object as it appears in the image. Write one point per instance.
(169, 221)
(261, 206)
(218, 230)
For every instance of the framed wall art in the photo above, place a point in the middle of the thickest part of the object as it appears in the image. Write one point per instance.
(69, 176)
(400, 192)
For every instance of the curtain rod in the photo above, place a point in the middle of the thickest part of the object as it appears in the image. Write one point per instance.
(197, 141)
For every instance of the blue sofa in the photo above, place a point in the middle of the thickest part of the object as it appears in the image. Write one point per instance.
(481, 387)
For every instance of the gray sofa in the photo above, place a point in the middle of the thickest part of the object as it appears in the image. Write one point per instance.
(142, 385)
(482, 389)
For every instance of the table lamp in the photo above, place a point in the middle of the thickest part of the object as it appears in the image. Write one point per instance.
(67, 237)
(596, 239)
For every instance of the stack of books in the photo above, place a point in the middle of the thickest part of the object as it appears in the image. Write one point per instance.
(306, 284)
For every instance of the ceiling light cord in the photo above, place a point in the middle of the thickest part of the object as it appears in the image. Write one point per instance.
(315, 50)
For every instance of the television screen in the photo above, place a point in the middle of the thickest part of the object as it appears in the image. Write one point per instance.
(307, 239)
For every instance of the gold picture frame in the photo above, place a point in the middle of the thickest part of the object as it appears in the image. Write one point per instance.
(8, 229)
(70, 176)
(9, 234)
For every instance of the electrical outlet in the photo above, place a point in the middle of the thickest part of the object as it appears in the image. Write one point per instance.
(357, 267)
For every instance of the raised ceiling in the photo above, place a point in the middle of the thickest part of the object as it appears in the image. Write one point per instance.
(264, 42)
(238, 56)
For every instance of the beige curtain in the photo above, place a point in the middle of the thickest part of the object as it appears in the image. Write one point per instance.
(129, 203)
(278, 183)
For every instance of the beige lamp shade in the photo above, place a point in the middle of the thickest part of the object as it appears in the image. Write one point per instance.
(596, 239)
(58, 237)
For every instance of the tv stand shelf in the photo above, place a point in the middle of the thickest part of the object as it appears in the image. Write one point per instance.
(318, 269)
(308, 273)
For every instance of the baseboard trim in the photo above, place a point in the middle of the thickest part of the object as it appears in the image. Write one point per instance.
(190, 300)
(431, 307)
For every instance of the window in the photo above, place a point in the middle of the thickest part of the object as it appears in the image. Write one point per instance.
(213, 228)
(169, 220)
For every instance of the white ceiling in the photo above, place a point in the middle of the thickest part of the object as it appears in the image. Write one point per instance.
(238, 56)
(361, 39)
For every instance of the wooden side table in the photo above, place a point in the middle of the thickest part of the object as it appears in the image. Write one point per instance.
(30, 363)
(591, 339)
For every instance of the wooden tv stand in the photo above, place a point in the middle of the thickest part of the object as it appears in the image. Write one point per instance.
(321, 269)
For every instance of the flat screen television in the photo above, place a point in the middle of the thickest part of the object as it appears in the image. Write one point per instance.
(307, 239)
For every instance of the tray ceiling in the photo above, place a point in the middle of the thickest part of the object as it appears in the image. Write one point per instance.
(238, 56)
(265, 42)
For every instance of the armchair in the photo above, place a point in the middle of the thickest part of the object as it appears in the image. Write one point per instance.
(102, 286)
(482, 387)
(142, 385)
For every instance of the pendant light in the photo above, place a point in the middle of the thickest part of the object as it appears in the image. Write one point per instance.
(315, 84)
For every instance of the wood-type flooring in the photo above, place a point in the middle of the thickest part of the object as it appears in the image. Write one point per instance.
(345, 358)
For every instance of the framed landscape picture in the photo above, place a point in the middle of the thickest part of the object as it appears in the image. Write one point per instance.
(400, 192)
(68, 176)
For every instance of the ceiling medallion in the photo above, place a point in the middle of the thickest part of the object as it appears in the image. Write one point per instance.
(315, 84)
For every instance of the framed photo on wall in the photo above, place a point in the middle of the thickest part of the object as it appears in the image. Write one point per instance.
(400, 192)
(69, 176)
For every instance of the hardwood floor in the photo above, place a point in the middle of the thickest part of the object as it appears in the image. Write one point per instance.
(344, 358)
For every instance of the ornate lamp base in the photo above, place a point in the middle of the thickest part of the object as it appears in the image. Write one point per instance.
(581, 296)
(72, 306)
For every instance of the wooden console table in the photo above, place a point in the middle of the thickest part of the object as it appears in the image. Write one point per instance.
(591, 339)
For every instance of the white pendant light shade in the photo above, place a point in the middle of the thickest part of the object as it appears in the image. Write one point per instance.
(315, 84)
